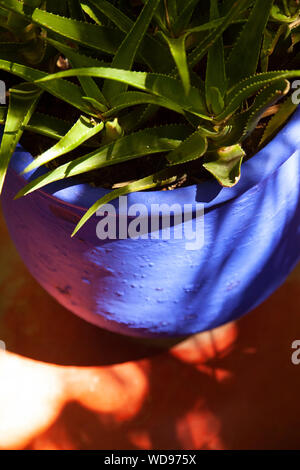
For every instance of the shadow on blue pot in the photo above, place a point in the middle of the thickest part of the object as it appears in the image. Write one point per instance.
(177, 286)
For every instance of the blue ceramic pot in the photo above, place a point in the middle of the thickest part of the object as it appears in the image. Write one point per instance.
(158, 288)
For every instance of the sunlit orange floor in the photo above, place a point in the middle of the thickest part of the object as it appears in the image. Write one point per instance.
(65, 384)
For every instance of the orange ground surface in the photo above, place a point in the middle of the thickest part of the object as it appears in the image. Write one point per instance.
(65, 384)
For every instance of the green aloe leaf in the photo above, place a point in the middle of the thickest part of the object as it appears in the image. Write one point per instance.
(234, 130)
(3, 114)
(246, 88)
(184, 15)
(114, 14)
(79, 133)
(192, 148)
(242, 124)
(79, 60)
(62, 89)
(202, 48)
(178, 51)
(214, 100)
(171, 9)
(88, 84)
(90, 35)
(22, 102)
(285, 110)
(160, 16)
(90, 11)
(178, 43)
(278, 15)
(225, 164)
(270, 41)
(213, 24)
(215, 82)
(3, 13)
(244, 57)
(96, 105)
(133, 98)
(91, 88)
(156, 180)
(74, 55)
(139, 117)
(149, 141)
(42, 124)
(126, 53)
(94, 36)
(153, 52)
(162, 85)
(16, 23)
(268, 97)
(49, 126)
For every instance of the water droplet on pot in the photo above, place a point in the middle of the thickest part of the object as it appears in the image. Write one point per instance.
(64, 290)
(119, 293)
(188, 288)
(109, 270)
(192, 316)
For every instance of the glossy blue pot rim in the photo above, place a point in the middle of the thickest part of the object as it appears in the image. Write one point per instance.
(81, 195)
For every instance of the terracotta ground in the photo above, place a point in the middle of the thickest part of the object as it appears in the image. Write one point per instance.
(67, 385)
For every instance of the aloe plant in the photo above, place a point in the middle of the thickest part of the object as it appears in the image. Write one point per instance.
(210, 65)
